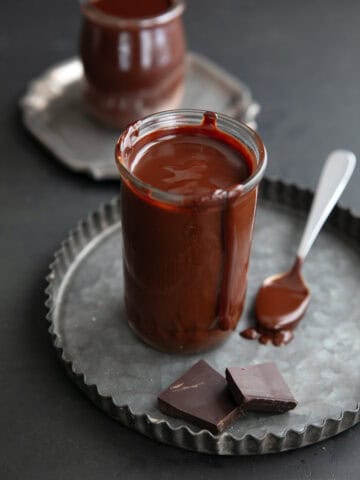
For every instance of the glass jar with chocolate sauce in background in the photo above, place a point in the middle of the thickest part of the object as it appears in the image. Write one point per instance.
(134, 55)
(188, 201)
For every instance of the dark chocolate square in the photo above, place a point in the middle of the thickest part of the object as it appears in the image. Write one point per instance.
(260, 387)
(200, 396)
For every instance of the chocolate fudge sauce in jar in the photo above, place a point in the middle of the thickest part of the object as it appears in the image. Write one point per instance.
(188, 200)
(133, 53)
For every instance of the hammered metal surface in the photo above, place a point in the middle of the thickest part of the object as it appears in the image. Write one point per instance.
(321, 365)
(54, 112)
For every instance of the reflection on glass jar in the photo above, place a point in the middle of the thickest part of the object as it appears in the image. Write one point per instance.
(134, 58)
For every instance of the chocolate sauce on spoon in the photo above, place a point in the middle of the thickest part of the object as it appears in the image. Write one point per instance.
(283, 299)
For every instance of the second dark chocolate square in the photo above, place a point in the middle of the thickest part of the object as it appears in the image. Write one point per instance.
(260, 387)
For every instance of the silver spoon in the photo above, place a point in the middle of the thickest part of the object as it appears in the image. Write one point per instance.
(283, 299)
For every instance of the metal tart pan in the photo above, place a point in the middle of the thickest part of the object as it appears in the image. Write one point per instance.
(122, 376)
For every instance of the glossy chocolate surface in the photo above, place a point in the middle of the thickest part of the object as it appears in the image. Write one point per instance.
(132, 69)
(132, 9)
(189, 162)
(280, 304)
(201, 397)
(186, 264)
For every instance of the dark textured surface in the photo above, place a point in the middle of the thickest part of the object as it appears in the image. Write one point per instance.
(301, 60)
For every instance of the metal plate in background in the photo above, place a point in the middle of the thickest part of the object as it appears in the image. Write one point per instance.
(123, 376)
(54, 112)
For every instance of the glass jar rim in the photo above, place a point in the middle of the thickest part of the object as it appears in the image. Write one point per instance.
(176, 8)
(251, 182)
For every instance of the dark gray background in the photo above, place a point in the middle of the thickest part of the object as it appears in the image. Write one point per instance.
(302, 61)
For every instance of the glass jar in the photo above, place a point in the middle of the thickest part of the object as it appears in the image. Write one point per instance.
(186, 259)
(133, 66)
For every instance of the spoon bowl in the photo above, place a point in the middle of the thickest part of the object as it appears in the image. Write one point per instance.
(282, 300)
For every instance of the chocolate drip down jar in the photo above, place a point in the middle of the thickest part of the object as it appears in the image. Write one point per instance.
(188, 201)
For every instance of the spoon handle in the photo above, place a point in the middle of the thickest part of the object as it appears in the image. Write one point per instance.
(334, 177)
